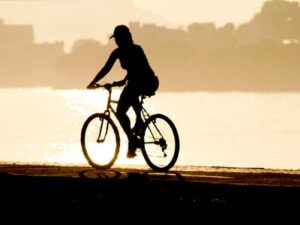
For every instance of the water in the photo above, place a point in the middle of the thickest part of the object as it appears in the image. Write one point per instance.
(231, 129)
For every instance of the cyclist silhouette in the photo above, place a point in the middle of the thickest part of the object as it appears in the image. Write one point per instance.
(132, 59)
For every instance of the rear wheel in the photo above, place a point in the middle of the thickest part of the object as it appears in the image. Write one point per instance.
(161, 143)
(100, 141)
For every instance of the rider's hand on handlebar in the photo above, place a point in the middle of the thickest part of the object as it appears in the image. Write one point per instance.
(119, 83)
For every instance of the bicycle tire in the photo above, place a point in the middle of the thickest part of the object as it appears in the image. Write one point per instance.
(152, 149)
(104, 154)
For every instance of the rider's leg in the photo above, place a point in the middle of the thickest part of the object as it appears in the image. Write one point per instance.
(137, 109)
(121, 112)
(124, 104)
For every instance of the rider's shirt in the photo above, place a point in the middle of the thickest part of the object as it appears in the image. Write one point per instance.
(133, 59)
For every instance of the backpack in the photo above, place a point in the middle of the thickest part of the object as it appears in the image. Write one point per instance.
(151, 84)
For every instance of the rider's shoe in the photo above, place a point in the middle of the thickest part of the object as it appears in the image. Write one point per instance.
(131, 154)
(131, 150)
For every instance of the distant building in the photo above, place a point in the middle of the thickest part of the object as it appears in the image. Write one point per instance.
(21, 37)
(23, 61)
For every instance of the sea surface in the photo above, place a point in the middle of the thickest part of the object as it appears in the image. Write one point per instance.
(222, 129)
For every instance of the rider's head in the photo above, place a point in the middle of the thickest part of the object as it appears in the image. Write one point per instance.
(122, 35)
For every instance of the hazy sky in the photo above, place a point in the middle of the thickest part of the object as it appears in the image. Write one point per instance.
(70, 20)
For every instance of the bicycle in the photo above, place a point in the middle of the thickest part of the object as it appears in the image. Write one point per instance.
(100, 138)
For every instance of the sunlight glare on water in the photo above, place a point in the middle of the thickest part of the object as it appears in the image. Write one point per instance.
(233, 129)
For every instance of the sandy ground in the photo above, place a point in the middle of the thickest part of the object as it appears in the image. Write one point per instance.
(189, 193)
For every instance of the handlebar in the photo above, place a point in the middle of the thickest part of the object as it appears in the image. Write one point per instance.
(107, 86)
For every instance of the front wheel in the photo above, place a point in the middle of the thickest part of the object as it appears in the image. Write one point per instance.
(161, 143)
(100, 141)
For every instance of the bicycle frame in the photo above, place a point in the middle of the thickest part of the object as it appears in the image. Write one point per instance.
(145, 115)
(109, 108)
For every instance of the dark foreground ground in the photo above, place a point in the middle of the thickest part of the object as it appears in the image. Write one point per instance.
(195, 194)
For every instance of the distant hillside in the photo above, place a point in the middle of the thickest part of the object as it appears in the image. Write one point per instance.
(261, 55)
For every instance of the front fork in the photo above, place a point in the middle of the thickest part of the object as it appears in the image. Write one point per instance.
(103, 127)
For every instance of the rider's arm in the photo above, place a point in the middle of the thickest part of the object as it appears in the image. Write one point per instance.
(121, 82)
(106, 68)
